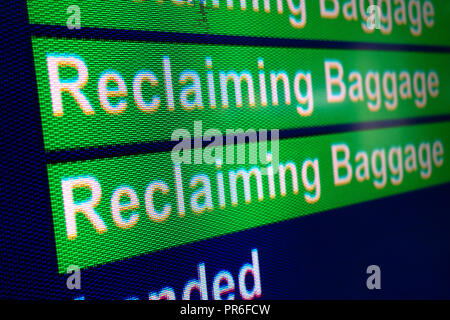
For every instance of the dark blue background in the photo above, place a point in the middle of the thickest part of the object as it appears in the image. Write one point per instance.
(324, 255)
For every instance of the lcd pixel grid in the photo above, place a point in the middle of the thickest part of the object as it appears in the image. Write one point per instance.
(222, 150)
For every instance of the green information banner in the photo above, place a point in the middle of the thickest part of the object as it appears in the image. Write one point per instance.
(399, 21)
(95, 92)
(109, 209)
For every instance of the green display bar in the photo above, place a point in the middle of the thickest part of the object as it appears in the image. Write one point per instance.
(110, 209)
(399, 21)
(95, 92)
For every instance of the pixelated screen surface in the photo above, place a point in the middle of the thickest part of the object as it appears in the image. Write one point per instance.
(196, 149)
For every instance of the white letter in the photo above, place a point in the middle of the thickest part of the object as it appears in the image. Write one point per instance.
(314, 164)
(428, 11)
(327, 13)
(254, 270)
(117, 207)
(344, 163)
(300, 9)
(219, 290)
(104, 93)
(421, 92)
(379, 172)
(86, 207)
(199, 284)
(392, 93)
(425, 162)
(303, 99)
(334, 81)
(433, 84)
(151, 188)
(73, 87)
(396, 169)
(415, 21)
(438, 152)
(373, 95)
(137, 91)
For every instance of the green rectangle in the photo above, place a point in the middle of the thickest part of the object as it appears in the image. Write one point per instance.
(421, 150)
(407, 21)
(415, 94)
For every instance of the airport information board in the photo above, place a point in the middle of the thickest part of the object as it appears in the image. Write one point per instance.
(138, 101)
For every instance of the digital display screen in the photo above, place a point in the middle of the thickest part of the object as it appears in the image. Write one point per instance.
(227, 150)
